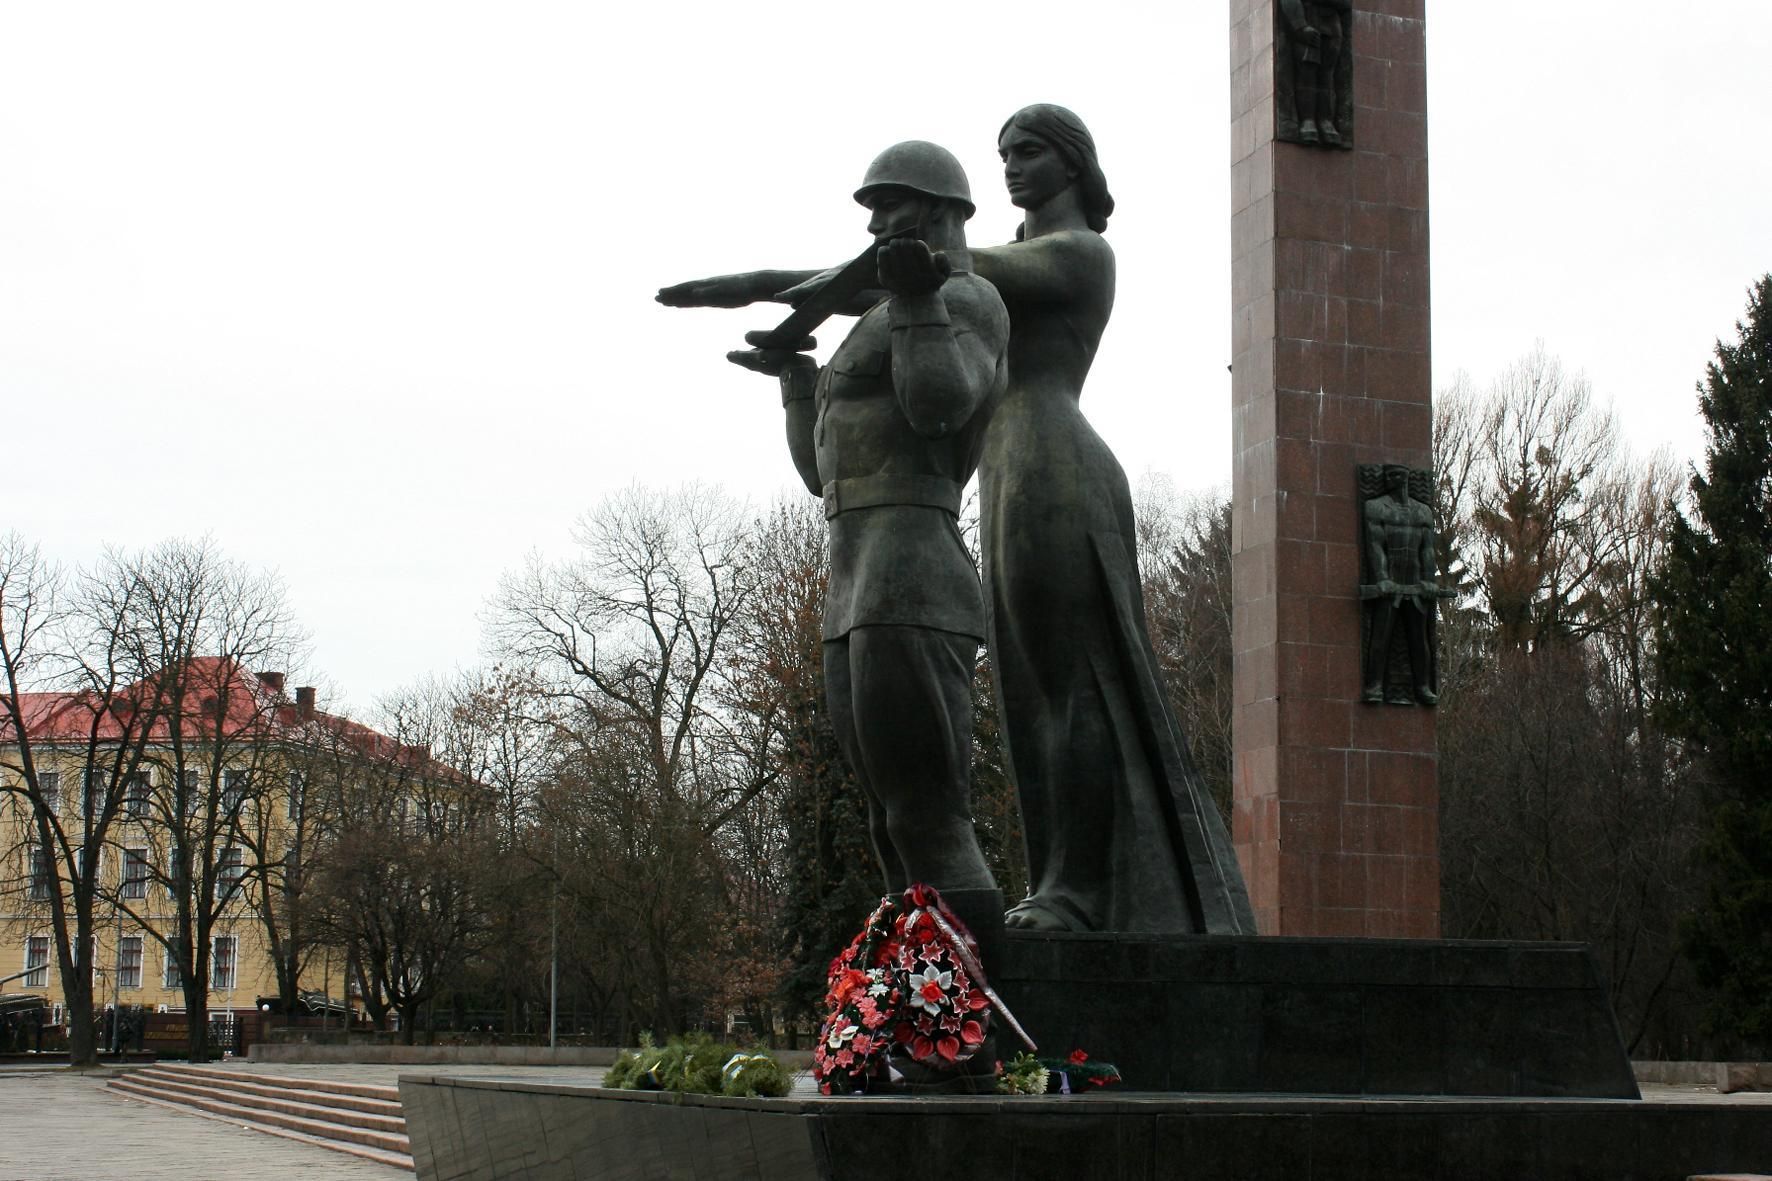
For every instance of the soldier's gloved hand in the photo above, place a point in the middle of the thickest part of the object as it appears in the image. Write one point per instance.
(773, 361)
(909, 267)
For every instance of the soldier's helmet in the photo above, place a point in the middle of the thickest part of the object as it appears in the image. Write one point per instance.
(920, 165)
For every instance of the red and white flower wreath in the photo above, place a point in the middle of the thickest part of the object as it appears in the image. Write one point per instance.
(909, 982)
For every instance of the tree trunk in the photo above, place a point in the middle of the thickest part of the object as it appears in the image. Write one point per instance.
(82, 1033)
(197, 1008)
(288, 982)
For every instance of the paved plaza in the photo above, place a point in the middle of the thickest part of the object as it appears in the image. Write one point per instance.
(57, 1126)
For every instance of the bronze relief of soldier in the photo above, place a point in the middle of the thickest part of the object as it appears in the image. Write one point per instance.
(1313, 72)
(1399, 592)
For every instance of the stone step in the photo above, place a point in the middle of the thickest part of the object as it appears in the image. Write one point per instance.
(398, 1160)
(373, 1134)
(329, 1086)
(252, 1089)
(294, 1103)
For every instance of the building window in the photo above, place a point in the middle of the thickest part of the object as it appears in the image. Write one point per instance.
(92, 798)
(49, 783)
(229, 869)
(129, 962)
(221, 962)
(136, 795)
(98, 860)
(135, 873)
(191, 784)
(37, 961)
(171, 976)
(295, 796)
(233, 790)
(42, 874)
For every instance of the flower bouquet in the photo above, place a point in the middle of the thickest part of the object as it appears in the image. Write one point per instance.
(1027, 1075)
(1079, 1072)
(908, 1002)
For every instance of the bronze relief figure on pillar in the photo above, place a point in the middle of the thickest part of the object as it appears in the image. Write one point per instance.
(1398, 591)
(1314, 72)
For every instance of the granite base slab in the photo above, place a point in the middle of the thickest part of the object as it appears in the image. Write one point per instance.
(1275, 1015)
(480, 1129)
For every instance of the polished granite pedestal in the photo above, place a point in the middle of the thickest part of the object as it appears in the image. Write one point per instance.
(1275, 1015)
(479, 1129)
(1243, 1057)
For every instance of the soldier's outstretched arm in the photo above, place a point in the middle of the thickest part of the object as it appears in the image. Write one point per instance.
(947, 340)
(732, 291)
(749, 287)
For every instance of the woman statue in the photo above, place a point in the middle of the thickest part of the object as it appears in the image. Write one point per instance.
(1120, 833)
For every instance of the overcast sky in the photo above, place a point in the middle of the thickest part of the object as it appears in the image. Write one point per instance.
(363, 290)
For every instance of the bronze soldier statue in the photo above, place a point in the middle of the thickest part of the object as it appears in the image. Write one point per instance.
(888, 433)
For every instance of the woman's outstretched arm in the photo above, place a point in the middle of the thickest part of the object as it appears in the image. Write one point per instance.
(1062, 267)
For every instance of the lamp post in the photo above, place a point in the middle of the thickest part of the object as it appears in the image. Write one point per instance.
(554, 950)
(116, 979)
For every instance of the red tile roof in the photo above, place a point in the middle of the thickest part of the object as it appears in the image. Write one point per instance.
(211, 688)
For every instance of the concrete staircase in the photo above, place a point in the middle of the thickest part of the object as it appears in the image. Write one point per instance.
(357, 1118)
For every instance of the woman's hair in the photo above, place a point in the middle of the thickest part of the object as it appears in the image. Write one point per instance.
(1064, 131)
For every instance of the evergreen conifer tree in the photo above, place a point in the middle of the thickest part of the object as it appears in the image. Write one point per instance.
(1714, 625)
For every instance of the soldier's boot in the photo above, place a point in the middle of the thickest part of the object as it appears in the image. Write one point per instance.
(982, 912)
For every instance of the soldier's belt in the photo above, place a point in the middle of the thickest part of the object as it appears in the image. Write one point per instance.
(841, 496)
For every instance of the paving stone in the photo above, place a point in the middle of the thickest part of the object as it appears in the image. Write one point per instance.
(56, 1126)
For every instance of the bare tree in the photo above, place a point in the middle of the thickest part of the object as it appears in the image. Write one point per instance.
(504, 735)
(80, 710)
(402, 878)
(630, 641)
(1562, 814)
(814, 875)
(1548, 457)
(1185, 557)
(198, 626)
(286, 832)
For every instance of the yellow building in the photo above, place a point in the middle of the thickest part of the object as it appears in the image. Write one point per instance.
(218, 765)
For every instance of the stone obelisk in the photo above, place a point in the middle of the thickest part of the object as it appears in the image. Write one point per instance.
(1335, 798)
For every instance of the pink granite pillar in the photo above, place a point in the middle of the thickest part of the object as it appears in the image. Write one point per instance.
(1336, 802)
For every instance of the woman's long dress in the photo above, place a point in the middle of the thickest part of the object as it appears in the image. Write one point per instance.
(1121, 835)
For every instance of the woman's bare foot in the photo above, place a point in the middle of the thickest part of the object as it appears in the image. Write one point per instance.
(1032, 915)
